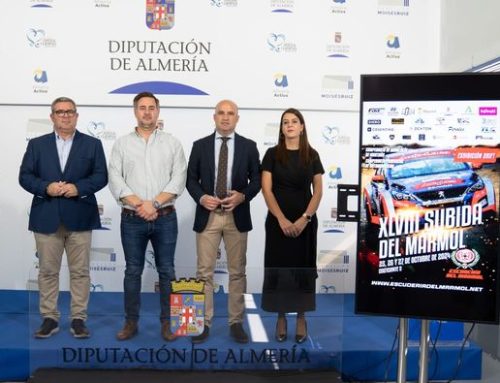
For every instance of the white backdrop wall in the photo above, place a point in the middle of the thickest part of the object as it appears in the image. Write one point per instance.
(267, 55)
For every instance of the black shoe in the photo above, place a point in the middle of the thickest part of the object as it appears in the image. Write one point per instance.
(299, 337)
(47, 329)
(238, 334)
(202, 337)
(78, 329)
(281, 329)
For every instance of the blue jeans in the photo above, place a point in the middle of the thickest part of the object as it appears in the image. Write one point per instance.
(135, 234)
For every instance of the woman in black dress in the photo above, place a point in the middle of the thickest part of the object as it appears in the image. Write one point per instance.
(288, 171)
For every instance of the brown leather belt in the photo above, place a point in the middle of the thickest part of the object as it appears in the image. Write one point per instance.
(163, 211)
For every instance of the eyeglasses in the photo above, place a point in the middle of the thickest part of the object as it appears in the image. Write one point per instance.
(69, 113)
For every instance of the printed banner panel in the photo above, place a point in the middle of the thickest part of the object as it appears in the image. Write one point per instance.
(428, 238)
(263, 54)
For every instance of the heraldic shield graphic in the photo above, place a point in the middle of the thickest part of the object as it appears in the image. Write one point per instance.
(187, 307)
(160, 14)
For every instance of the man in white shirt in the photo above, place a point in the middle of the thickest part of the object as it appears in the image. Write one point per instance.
(147, 172)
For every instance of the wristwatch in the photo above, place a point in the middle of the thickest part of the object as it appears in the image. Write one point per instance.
(307, 217)
(156, 204)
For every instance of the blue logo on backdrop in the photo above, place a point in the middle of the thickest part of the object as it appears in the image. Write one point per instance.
(276, 41)
(335, 172)
(327, 289)
(96, 129)
(159, 87)
(281, 80)
(40, 76)
(96, 287)
(393, 41)
(35, 37)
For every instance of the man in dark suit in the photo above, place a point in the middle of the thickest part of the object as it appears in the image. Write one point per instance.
(223, 177)
(63, 170)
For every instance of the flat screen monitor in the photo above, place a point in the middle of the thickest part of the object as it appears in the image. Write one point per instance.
(428, 234)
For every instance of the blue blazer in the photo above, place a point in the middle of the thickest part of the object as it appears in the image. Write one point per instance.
(86, 168)
(245, 178)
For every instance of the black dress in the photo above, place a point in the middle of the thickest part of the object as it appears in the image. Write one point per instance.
(290, 263)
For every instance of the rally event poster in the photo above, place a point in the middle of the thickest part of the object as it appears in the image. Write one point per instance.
(428, 238)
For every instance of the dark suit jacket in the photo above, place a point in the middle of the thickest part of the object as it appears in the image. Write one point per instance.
(86, 168)
(245, 178)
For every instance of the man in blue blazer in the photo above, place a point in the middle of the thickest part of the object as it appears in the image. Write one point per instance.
(223, 177)
(63, 170)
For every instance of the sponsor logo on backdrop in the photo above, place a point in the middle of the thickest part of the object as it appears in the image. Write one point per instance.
(336, 49)
(334, 172)
(102, 3)
(38, 127)
(421, 128)
(440, 120)
(488, 129)
(102, 254)
(41, 81)
(271, 130)
(394, 47)
(224, 3)
(97, 129)
(327, 289)
(160, 14)
(277, 43)
(393, 7)
(488, 111)
(333, 261)
(333, 227)
(376, 111)
(41, 3)
(159, 56)
(37, 39)
(337, 87)
(334, 176)
(485, 138)
(338, 7)
(281, 85)
(282, 6)
(333, 213)
(105, 221)
(407, 111)
(332, 135)
(393, 111)
(488, 121)
(96, 287)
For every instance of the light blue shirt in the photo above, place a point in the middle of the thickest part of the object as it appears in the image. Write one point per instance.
(230, 157)
(63, 149)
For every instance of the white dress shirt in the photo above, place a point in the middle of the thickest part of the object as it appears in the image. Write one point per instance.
(147, 168)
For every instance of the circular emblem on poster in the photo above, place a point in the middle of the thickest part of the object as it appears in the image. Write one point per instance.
(465, 258)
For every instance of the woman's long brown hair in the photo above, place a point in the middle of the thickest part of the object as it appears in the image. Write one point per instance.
(305, 150)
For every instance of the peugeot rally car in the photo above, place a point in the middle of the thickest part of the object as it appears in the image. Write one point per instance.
(425, 179)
